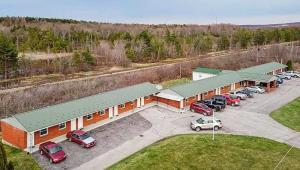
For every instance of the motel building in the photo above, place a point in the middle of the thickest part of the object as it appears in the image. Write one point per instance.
(29, 129)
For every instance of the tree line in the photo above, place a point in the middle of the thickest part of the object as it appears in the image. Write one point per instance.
(104, 45)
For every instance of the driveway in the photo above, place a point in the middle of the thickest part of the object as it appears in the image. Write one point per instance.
(108, 137)
(251, 118)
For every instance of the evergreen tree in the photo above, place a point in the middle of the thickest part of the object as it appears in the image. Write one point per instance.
(223, 42)
(8, 55)
(88, 57)
(76, 58)
(290, 65)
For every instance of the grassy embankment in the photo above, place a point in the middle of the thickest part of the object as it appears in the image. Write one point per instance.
(289, 115)
(170, 83)
(20, 159)
(200, 152)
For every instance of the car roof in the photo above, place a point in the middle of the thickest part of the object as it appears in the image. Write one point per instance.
(208, 118)
(78, 132)
(49, 144)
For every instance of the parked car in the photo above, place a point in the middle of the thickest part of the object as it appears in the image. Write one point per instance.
(247, 92)
(256, 89)
(241, 96)
(217, 106)
(219, 99)
(279, 80)
(201, 108)
(52, 151)
(283, 76)
(292, 74)
(206, 123)
(232, 100)
(82, 138)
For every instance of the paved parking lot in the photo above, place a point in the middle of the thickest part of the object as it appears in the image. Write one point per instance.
(251, 118)
(130, 134)
(108, 137)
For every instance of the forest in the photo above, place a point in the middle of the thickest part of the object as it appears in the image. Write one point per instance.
(87, 45)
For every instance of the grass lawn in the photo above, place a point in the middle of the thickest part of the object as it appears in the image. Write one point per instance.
(289, 115)
(200, 152)
(167, 84)
(20, 159)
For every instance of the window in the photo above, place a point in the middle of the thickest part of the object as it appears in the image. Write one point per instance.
(89, 116)
(122, 106)
(102, 112)
(205, 94)
(131, 103)
(147, 97)
(222, 88)
(62, 126)
(43, 132)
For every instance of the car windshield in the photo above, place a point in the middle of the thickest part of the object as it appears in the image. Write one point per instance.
(233, 97)
(84, 136)
(205, 107)
(200, 120)
(55, 149)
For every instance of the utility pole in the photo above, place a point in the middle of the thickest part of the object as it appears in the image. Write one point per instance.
(213, 138)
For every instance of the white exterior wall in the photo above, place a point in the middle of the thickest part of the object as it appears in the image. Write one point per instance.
(30, 139)
(80, 122)
(181, 104)
(116, 111)
(111, 112)
(73, 124)
(142, 101)
(199, 76)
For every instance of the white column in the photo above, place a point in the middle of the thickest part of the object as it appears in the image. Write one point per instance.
(30, 141)
(111, 112)
(199, 97)
(142, 101)
(116, 111)
(139, 102)
(274, 72)
(218, 91)
(80, 122)
(181, 104)
(73, 124)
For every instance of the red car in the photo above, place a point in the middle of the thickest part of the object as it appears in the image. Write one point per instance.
(52, 151)
(201, 108)
(232, 100)
(82, 138)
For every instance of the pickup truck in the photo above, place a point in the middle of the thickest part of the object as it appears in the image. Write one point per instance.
(241, 96)
(217, 106)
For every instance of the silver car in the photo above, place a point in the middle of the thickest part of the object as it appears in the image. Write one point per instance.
(284, 76)
(294, 74)
(256, 89)
(206, 123)
(241, 96)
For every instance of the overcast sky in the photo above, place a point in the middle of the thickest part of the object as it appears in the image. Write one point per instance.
(159, 11)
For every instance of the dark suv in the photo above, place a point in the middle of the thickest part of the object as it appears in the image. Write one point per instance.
(219, 98)
(217, 106)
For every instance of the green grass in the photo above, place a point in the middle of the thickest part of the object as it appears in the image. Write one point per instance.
(170, 83)
(20, 159)
(200, 152)
(289, 115)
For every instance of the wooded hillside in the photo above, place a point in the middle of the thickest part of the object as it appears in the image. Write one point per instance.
(84, 45)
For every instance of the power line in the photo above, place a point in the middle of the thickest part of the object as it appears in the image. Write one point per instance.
(283, 157)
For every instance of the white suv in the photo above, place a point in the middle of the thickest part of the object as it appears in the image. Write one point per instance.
(206, 123)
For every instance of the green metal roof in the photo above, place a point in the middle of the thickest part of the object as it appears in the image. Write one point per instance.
(205, 85)
(207, 70)
(264, 68)
(52, 115)
(264, 78)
